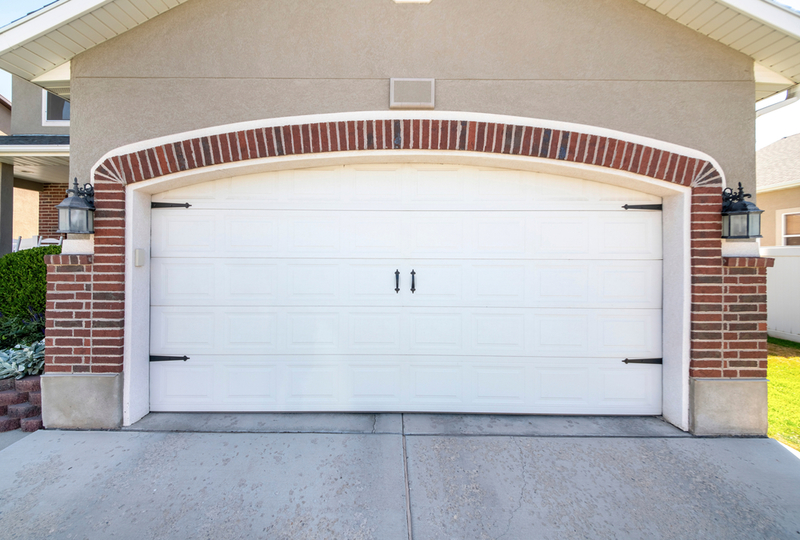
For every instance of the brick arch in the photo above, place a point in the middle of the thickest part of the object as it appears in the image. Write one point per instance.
(86, 294)
(407, 134)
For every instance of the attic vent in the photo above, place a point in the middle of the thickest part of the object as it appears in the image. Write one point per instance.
(411, 93)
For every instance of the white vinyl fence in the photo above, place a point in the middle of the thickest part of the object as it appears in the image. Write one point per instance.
(783, 292)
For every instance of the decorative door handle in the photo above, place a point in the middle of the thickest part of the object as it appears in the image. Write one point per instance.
(397, 281)
(413, 288)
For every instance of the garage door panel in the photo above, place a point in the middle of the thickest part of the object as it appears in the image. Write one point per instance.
(370, 331)
(442, 283)
(498, 283)
(529, 291)
(458, 235)
(376, 382)
(370, 235)
(497, 332)
(437, 236)
(184, 234)
(180, 329)
(405, 187)
(250, 332)
(312, 236)
(395, 383)
(596, 283)
(249, 232)
(595, 235)
(377, 185)
(472, 331)
(494, 236)
(633, 334)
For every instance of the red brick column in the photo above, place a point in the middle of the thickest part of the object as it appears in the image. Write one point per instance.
(706, 230)
(744, 316)
(68, 335)
(85, 306)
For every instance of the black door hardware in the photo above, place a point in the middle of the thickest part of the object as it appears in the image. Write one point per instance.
(167, 358)
(397, 281)
(169, 205)
(642, 361)
(413, 287)
(642, 207)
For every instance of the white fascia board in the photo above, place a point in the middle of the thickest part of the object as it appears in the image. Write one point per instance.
(769, 13)
(19, 150)
(778, 187)
(45, 20)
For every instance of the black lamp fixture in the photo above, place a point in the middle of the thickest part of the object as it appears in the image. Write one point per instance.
(76, 212)
(740, 219)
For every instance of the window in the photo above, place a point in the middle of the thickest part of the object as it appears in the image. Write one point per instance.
(791, 229)
(55, 110)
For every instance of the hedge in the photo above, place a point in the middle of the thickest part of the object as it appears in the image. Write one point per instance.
(23, 282)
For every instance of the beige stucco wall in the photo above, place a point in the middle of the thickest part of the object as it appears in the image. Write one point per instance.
(772, 202)
(26, 213)
(609, 63)
(27, 117)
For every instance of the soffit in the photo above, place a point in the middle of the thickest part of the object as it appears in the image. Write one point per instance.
(39, 47)
(767, 32)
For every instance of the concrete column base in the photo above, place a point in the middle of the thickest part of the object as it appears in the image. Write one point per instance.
(82, 401)
(728, 407)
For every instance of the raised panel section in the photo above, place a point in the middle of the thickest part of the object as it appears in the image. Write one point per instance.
(530, 290)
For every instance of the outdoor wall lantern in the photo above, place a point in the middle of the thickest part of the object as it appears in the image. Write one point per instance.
(740, 219)
(76, 212)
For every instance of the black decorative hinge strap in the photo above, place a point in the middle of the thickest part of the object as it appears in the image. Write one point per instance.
(169, 205)
(643, 206)
(154, 358)
(643, 360)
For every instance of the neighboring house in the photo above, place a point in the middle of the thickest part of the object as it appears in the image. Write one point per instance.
(408, 206)
(778, 176)
(34, 153)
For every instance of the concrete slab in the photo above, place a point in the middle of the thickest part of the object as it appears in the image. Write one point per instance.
(137, 486)
(269, 423)
(539, 426)
(8, 438)
(556, 488)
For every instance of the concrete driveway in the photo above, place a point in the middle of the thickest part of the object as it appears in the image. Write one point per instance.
(396, 477)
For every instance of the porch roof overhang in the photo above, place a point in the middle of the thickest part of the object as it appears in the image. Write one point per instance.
(40, 46)
(37, 158)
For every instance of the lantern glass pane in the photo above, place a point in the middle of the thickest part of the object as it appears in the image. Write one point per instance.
(726, 226)
(78, 220)
(63, 219)
(755, 224)
(90, 221)
(738, 225)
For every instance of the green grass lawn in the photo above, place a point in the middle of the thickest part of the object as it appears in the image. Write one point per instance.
(784, 391)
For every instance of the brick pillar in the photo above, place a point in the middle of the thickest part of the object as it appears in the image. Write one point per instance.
(728, 389)
(68, 336)
(744, 316)
(706, 333)
(82, 383)
(49, 197)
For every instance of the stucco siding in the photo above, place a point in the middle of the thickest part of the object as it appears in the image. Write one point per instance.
(610, 63)
(27, 104)
(775, 203)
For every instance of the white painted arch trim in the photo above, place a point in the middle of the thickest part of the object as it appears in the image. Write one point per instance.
(410, 115)
(676, 251)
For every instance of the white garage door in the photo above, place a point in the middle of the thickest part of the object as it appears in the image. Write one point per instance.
(406, 288)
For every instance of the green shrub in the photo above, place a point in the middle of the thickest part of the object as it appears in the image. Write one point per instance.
(23, 281)
(22, 360)
(21, 330)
